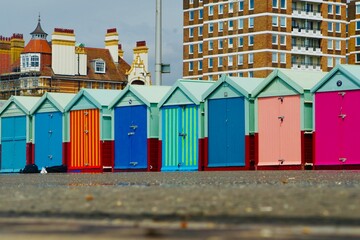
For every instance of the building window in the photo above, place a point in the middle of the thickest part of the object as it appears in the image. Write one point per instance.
(230, 61)
(241, 42)
(337, 44)
(275, 3)
(282, 21)
(283, 4)
(210, 62)
(211, 27)
(241, 5)
(330, 27)
(201, 14)
(191, 15)
(357, 25)
(274, 57)
(231, 7)
(251, 4)
(191, 1)
(220, 26)
(337, 61)
(337, 27)
(221, 9)
(230, 25)
(330, 9)
(200, 65)
(200, 31)
(282, 40)
(220, 61)
(211, 10)
(357, 41)
(337, 10)
(101, 85)
(99, 66)
(357, 58)
(220, 43)
(191, 49)
(191, 66)
(274, 21)
(241, 23)
(357, 7)
(274, 39)
(88, 84)
(251, 22)
(34, 61)
(250, 58)
(211, 45)
(330, 62)
(330, 44)
(282, 57)
(240, 59)
(191, 32)
(200, 47)
(231, 43)
(251, 74)
(251, 40)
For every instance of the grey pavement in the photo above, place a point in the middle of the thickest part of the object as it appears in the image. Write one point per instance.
(195, 205)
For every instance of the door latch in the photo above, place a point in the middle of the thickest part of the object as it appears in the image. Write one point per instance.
(182, 135)
(281, 118)
(342, 116)
(50, 156)
(342, 93)
(50, 131)
(281, 161)
(131, 133)
(86, 131)
(134, 127)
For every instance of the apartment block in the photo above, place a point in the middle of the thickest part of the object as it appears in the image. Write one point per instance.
(251, 38)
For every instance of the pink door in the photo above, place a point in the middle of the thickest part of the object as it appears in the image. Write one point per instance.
(337, 128)
(279, 131)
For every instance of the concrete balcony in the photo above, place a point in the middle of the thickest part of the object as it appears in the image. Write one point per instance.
(297, 13)
(306, 67)
(302, 32)
(306, 50)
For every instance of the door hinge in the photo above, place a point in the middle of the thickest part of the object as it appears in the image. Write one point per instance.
(86, 131)
(134, 127)
(281, 99)
(343, 160)
(133, 163)
(131, 133)
(281, 118)
(281, 161)
(342, 93)
(50, 156)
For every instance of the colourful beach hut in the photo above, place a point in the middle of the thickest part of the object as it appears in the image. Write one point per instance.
(283, 119)
(90, 144)
(16, 136)
(136, 127)
(181, 126)
(229, 124)
(49, 129)
(337, 118)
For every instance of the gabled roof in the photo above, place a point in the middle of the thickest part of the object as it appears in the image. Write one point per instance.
(194, 89)
(147, 94)
(297, 80)
(243, 85)
(60, 100)
(350, 71)
(99, 97)
(24, 103)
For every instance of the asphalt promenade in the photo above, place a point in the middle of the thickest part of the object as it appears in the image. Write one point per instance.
(181, 205)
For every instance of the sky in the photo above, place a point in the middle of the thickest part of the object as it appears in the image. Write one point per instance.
(134, 20)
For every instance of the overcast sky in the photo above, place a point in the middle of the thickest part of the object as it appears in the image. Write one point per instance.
(134, 20)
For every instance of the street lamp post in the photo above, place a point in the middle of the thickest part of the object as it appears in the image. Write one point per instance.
(158, 44)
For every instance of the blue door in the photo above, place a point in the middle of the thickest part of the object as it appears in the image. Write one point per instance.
(48, 139)
(180, 138)
(13, 143)
(226, 131)
(131, 137)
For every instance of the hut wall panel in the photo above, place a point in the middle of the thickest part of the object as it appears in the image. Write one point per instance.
(153, 154)
(107, 153)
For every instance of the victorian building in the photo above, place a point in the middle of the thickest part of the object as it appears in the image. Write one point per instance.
(63, 65)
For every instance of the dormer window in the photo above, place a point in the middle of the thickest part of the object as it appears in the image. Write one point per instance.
(99, 66)
(30, 62)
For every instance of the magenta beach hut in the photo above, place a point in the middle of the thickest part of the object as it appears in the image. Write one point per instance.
(337, 118)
